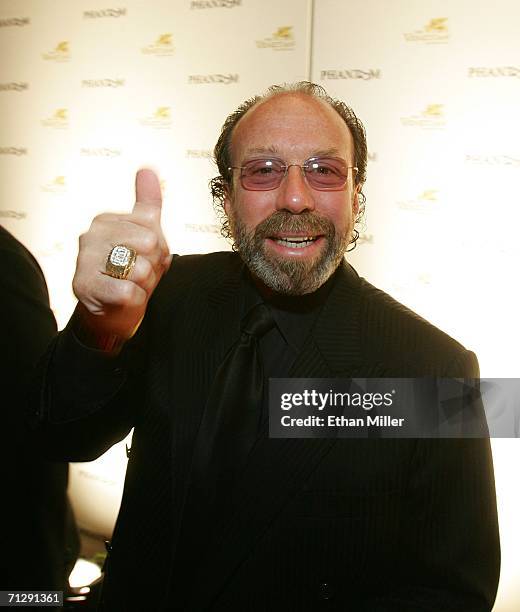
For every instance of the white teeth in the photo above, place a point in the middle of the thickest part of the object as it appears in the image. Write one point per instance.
(296, 242)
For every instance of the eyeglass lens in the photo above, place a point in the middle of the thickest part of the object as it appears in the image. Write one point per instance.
(321, 173)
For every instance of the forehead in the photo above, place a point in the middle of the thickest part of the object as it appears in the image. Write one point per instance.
(294, 126)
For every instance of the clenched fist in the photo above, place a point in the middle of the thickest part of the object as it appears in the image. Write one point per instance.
(113, 307)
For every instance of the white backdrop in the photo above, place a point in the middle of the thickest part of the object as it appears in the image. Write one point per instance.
(437, 85)
(89, 92)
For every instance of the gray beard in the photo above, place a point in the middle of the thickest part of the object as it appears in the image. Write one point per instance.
(289, 276)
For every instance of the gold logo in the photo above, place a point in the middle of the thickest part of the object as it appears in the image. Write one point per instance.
(281, 40)
(437, 25)
(429, 195)
(58, 185)
(434, 32)
(162, 46)
(433, 110)
(432, 117)
(160, 119)
(60, 53)
(162, 113)
(164, 40)
(284, 33)
(424, 202)
(58, 120)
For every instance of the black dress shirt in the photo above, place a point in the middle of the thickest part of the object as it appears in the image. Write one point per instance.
(294, 318)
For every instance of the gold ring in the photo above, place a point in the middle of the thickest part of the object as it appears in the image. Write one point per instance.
(120, 261)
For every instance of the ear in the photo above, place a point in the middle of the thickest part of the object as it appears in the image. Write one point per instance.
(355, 201)
(227, 200)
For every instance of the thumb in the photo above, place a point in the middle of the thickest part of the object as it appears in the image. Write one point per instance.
(148, 198)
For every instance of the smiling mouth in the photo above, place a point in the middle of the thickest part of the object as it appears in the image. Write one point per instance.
(295, 242)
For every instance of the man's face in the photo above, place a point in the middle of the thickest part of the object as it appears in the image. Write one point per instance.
(268, 226)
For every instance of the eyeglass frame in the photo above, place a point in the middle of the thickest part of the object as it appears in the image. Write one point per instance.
(302, 167)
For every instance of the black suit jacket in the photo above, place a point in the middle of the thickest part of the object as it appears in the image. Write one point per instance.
(362, 525)
(38, 541)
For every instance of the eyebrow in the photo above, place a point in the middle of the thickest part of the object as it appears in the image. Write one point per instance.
(327, 152)
(274, 151)
(260, 150)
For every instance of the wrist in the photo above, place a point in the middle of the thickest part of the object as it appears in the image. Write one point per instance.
(93, 337)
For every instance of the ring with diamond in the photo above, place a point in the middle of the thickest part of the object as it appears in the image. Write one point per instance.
(120, 261)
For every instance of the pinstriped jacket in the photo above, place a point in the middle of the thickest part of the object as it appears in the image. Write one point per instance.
(319, 524)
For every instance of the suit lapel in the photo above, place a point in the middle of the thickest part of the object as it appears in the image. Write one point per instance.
(278, 468)
(337, 331)
(211, 325)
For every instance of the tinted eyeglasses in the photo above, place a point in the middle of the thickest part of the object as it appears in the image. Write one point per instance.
(322, 173)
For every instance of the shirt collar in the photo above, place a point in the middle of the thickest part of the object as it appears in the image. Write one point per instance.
(294, 315)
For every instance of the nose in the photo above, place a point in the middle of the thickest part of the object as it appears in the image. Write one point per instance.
(294, 193)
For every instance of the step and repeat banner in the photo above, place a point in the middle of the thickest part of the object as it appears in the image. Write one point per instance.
(91, 91)
(437, 85)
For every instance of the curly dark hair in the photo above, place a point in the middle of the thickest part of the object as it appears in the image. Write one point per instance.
(222, 184)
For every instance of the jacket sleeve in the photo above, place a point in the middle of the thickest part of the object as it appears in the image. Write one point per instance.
(450, 551)
(82, 401)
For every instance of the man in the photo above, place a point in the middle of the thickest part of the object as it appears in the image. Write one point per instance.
(216, 521)
(39, 540)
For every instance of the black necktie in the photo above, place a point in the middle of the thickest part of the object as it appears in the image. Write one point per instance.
(230, 424)
(227, 434)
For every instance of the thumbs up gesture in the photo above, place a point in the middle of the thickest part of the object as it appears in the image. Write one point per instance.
(114, 304)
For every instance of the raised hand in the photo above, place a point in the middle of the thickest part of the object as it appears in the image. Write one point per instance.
(111, 306)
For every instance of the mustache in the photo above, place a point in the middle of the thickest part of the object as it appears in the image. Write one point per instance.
(284, 221)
